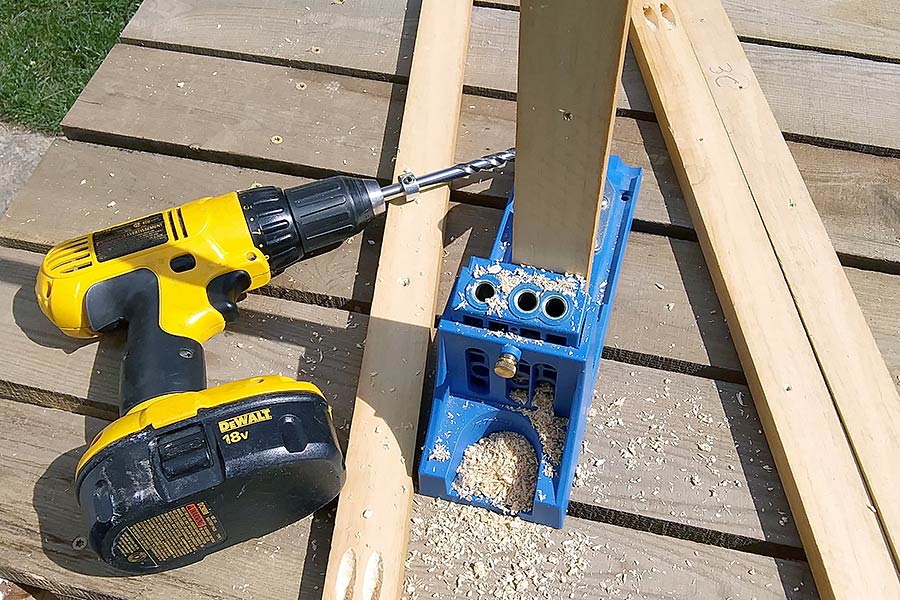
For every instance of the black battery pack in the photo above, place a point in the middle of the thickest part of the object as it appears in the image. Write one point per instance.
(163, 498)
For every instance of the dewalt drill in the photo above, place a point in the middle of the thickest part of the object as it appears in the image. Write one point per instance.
(185, 470)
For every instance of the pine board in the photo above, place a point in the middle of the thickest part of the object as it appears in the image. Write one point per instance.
(322, 345)
(39, 520)
(853, 97)
(127, 105)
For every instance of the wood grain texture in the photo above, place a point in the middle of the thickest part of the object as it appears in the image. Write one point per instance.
(853, 192)
(371, 530)
(681, 449)
(584, 560)
(802, 426)
(863, 390)
(871, 28)
(570, 64)
(852, 97)
(11, 591)
(39, 519)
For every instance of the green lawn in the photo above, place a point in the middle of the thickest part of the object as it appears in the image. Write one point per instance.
(48, 51)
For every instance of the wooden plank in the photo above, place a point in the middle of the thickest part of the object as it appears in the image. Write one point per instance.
(371, 530)
(868, 28)
(863, 390)
(801, 424)
(852, 191)
(41, 366)
(11, 591)
(681, 449)
(39, 519)
(851, 96)
(584, 560)
(571, 61)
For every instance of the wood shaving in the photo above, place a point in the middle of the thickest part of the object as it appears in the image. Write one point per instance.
(551, 429)
(439, 452)
(500, 468)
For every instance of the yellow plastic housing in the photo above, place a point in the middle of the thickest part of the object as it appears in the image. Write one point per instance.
(212, 230)
(166, 410)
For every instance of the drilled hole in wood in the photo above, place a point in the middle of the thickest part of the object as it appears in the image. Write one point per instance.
(373, 577)
(668, 15)
(650, 16)
(346, 577)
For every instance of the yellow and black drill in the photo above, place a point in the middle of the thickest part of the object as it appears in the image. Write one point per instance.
(185, 470)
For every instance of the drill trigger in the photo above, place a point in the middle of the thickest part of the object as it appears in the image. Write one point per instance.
(224, 292)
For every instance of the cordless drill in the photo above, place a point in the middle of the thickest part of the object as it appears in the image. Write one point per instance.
(185, 470)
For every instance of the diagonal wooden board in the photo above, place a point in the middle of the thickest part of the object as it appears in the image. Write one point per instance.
(374, 40)
(134, 97)
(39, 521)
(862, 389)
(805, 431)
(689, 436)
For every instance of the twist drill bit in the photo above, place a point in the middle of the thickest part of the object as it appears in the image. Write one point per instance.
(408, 184)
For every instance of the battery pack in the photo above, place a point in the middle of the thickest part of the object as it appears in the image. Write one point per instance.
(161, 498)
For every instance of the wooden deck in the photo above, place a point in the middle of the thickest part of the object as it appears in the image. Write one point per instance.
(677, 495)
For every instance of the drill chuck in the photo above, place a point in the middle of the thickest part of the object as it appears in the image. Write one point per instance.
(290, 224)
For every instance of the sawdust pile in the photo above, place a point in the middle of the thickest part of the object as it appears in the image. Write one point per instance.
(501, 468)
(467, 552)
(550, 428)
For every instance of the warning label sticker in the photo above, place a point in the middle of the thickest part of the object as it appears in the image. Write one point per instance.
(170, 535)
(130, 237)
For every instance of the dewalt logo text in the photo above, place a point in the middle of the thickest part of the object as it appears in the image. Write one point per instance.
(244, 420)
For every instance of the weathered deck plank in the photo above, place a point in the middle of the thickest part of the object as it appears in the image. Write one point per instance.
(322, 345)
(130, 106)
(811, 93)
(868, 28)
(39, 521)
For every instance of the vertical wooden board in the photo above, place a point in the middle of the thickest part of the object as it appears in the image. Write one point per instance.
(368, 549)
(807, 438)
(863, 390)
(570, 63)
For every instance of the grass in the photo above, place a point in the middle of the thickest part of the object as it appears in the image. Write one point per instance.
(48, 51)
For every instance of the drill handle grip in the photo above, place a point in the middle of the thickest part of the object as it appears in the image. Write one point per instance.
(156, 362)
